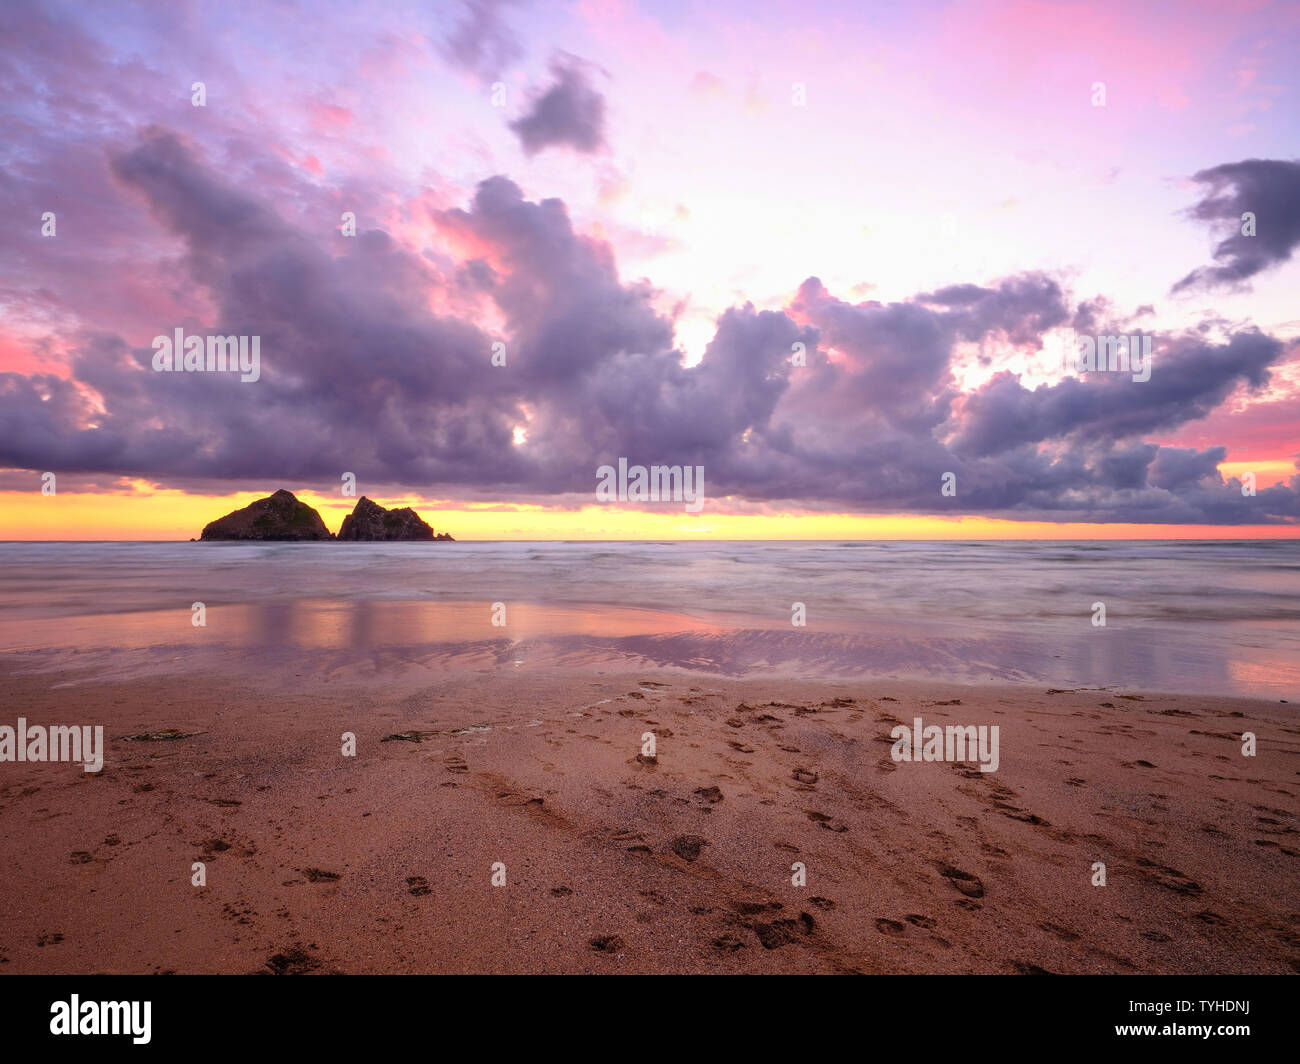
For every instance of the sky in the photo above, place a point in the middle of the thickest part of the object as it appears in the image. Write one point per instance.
(829, 253)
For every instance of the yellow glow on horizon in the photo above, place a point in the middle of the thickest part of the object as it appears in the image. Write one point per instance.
(1267, 473)
(153, 514)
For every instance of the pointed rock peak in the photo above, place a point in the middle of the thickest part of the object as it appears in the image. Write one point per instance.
(369, 521)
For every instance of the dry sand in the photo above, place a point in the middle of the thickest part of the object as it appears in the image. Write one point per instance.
(383, 862)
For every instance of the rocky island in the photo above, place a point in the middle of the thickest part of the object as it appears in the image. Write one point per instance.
(370, 522)
(283, 517)
(277, 517)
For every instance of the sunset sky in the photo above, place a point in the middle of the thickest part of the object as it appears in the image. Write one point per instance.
(651, 205)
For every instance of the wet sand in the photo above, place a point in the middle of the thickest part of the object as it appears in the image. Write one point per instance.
(383, 862)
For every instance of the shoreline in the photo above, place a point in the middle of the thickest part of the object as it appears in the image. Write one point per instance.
(383, 861)
(1200, 618)
(400, 642)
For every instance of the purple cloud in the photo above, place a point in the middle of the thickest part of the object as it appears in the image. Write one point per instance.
(1269, 189)
(571, 113)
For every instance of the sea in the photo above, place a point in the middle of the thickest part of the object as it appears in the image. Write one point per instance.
(1213, 617)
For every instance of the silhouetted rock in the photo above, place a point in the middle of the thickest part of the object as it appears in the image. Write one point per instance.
(282, 517)
(277, 517)
(370, 522)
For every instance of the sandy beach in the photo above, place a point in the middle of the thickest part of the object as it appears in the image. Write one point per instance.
(619, 863)
(649, 488)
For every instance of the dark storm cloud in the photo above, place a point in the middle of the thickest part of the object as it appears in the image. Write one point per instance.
(482, 43)
(1190, 376)
(1021, 308)
(1173, 468)
(1269, 189)
(571, 113)
(356, 371)
(360, 374)
(846, 431)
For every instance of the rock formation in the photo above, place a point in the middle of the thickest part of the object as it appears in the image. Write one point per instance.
(370, 522)
(277, 517)
(282, 517)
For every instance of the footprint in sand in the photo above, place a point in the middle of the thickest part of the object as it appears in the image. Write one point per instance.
(753, 908)
(964, 882)
(408, 737)
(824, 821)
(889, 927)
(740, 746)
(561, 892)
(1169, 878)
(688, 847)
(917, 920)
(782, 932)
(606, 943)
(417, 886)
(239, 916)
(805, 776)
(293, 961)
(712, 795)
(821, 903)
(1024, 816)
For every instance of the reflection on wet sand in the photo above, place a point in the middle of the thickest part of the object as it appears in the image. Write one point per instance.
(347, 636)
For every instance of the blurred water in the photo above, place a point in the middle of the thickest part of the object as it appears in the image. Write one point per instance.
(1214, 616)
